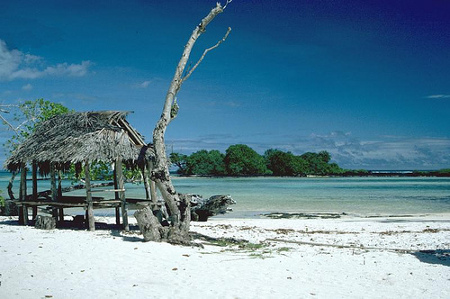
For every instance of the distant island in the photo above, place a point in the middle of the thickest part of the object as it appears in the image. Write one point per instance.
(242, 160)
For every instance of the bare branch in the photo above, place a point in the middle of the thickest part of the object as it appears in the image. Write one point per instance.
(204, 54)
(6, 122)
(228, 2)
(177, 80)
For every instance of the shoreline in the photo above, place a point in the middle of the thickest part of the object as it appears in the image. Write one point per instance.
(347, 257)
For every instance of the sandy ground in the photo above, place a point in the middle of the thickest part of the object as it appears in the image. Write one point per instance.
(407, 257)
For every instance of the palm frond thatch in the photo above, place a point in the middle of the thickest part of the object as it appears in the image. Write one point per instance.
(78, 137)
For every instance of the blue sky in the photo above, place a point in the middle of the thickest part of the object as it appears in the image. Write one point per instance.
(368, 81)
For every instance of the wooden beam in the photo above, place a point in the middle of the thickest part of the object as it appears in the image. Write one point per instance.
(137, 139)
(107, 190)
(121, 194)
(90, 206)
(99, 204)
(23, 216)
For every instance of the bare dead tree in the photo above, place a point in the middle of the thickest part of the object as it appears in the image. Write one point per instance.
(16, 128)
(178, 206)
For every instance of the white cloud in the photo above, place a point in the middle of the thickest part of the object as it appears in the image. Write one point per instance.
(65, 69)
(389, 152)
(15, 64)
(144, 84)
(439, 96)
(27, 87)
(28, 59)
(9, 60)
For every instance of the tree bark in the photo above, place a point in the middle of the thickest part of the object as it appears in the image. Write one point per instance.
(149, 225)
(179, 209)
(153, 195)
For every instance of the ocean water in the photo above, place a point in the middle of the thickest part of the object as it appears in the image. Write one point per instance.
(355, 196)
(359, 196)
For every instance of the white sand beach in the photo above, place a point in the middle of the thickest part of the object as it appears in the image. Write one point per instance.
(405, 257)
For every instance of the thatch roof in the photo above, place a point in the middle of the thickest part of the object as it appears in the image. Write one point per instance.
(76, 137)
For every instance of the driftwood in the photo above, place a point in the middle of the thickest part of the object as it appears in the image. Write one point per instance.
(215, 205)
(45, 222)
(201, 208)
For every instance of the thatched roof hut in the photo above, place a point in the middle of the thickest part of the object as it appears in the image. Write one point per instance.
(80, 137)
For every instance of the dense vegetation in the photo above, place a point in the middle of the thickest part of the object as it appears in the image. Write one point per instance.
(241, 160)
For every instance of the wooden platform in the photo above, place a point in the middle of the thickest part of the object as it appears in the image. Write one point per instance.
(70, 202)
(80, 201)
(64, 202)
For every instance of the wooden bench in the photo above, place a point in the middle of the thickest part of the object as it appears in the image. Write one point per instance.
(79, 201)
(65, 201)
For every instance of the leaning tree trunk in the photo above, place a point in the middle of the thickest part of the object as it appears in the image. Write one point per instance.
(178, 207)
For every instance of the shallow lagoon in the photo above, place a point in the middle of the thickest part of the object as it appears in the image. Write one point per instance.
(360, 196)
(356, 196)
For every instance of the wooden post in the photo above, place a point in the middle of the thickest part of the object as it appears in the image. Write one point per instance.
(120, 185)
(53, 189)
(61, 210)
(116, 196)
(35, 188)
(23, 212)
(152, 185)
(90, 206)
(117, 215)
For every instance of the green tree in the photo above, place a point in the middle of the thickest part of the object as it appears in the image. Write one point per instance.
(318, 164)
(28, 115)
(179, 160)
(205, 163)
(240, 159)
(324, 156)
(217, 160)
(284, 164)
(335, 169)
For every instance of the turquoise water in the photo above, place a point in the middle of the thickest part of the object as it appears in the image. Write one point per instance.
(360, 196)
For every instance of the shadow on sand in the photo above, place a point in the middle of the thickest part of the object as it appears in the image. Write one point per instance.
(118, 233)
(436, 257)
(116, 230)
